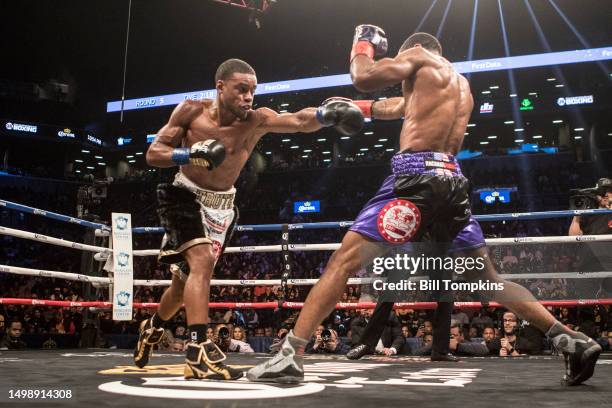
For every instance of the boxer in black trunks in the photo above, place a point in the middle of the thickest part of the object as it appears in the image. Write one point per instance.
(211, 140)
(427, 193)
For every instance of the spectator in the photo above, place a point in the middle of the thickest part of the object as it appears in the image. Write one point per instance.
(390, 342)
(12, 339)
(459, 346)
(488, 334)
(210, 333)
(460, 317)
(179, 333)
(514, 343)
(1, 325)
(226, 343)
(327, 342)
(239, 334)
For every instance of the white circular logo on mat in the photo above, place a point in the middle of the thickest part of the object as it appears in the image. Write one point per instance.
(398, 221)
(9, 125)
(178, 388)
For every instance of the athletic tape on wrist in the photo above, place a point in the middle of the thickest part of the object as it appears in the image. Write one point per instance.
(180, 155)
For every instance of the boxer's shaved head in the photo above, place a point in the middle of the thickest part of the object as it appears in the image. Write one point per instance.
(233, 66)
(427, 41)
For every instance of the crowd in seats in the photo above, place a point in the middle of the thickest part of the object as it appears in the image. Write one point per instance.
(267, 197)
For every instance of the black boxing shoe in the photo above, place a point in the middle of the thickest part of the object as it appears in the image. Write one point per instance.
(580, 353)
(444, 357)
(205, 361)
(359, 351)
(148, 337)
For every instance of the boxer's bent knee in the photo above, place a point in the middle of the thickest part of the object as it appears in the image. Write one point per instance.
(200, 259)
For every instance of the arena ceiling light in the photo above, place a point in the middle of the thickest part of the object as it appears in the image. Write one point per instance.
(492, 137)
(577, 137)
(131, 161)
(494, 87)
(519, 130)
(90, 167)
(129, 157)
(77, 171)
(85, 151)
(466, 133)
(382, 140)
(363, 149)
(139, 153)
(557, 121)
(368, 133)
(519, 140)
(326, 160)
(285, 140)
(283, 111)
(551, 79)
(283, 105)
(78, 161)
(295, 147)
(533, 94)
(307, 151)
(390, 150)
(578, 129)
(101, 164)
(559, 86)
(378, 145)
(305, 156)
(486, 92)
(321, 140)
(509, 122)
(345, 138)
(98, 157)
(513, 95)
(537, 136)
(326, 152)
(268, 153)
(471, 125)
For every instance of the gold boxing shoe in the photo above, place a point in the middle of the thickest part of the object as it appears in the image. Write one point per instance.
(148, 337)
(205, 361)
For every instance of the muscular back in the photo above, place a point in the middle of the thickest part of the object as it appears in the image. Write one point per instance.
(438, 105)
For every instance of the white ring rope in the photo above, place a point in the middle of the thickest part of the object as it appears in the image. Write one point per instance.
(333, 247)
(276, 282)
(50, 240)
(103, 252)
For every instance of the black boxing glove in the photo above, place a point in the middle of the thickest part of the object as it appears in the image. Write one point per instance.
(342, 114)
(369, 40)
(209, 153)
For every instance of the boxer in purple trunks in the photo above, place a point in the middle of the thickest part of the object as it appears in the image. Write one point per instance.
(426, 194)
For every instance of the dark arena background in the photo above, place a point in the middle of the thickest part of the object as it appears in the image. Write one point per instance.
(85, 86)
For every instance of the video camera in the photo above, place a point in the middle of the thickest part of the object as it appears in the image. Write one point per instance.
(586, 198)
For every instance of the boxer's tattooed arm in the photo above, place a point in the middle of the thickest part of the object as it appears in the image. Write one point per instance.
(172, 133)
(389, 109)
(369, 76)
(304, 121)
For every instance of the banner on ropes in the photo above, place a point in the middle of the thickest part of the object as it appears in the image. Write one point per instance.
(123, 268)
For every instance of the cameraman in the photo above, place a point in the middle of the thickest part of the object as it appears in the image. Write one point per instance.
(327, 342)
(595, 255)
(224, 340)
(600, 223)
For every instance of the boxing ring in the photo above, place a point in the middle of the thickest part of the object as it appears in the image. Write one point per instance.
(91, 375)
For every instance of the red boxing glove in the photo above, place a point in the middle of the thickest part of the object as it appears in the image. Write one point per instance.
(369, 40)
(366, 107)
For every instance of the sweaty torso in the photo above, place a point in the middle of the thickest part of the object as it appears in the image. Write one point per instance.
(238, 138)
(438, 107)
